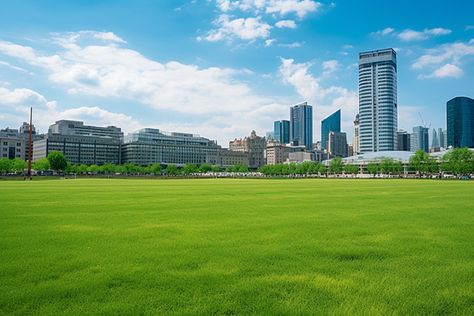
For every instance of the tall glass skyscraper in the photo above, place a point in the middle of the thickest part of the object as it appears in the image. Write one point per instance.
(460, 121)
(378, 100)
(332, 123)
(281, 131)
(301, 125)
(419, 139)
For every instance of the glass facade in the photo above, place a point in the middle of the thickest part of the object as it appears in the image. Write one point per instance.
(460, 121)
(301, 125)
(281, 131)
(332, 123)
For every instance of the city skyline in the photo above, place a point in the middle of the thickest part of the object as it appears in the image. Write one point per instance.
(232, 67)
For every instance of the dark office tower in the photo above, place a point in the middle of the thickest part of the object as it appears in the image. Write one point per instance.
(403, 141)
(281, 131)
(332, 123)
(301, 125)
(378, 100)
(460, 122)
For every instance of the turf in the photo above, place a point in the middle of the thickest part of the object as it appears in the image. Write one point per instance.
(228, 246)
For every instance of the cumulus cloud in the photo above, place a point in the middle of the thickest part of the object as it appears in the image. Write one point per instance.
(229, 27)
(325, 99)
(385, 31)
(330, 66)
(106, 70)
(241, 28)
(16, 103)
(286, 24)
(445, 71)
(452, 52)
(412, 35)
(280, 7)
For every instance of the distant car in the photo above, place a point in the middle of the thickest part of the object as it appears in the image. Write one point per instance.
(464, 177)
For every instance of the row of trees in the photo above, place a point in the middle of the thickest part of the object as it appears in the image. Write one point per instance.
(56, 161)
(459, 161)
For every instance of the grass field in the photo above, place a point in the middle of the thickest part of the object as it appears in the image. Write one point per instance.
(228, 246)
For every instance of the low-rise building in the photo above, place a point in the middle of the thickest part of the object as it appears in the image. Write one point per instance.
(151, 145)
(81, 144)
(278, 153)
(253, 145)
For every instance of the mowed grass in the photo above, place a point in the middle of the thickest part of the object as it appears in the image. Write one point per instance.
(228, 246)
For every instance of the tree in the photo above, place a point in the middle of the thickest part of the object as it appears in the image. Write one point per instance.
(373, 168)
(109, 168)
(335, 165)
(5, 166)
(205, 167)
(18, 165)
(57, 160)
(418, 160)
(41, 164)
(171, 170)
(190, 168)
(351, 169)
(155, 168)
(215, 168)
(459, 161)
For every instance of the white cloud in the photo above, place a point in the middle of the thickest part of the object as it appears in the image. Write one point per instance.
(16, 103)
(330, 66)
(445, 71)
(280, 7)
(286, 24)
(451, 53)
(24, 97)
(411, 35)
(241, 28)
(298, 7)
(269, 42)
(326, 100)
(109, 71)
(291, 45)
(385, 31)
(7, 64)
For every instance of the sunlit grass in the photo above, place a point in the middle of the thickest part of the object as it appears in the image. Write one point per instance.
(226, 246)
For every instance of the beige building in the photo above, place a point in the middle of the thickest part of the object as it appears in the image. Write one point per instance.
(253, 145)
(278, 153)
(229, 158)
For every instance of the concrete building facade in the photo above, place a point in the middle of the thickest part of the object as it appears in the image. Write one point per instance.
(253, 145)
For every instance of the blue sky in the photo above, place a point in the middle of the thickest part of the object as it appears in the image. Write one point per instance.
(222, 68)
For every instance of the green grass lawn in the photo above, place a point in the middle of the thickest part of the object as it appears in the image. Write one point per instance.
(228, 246)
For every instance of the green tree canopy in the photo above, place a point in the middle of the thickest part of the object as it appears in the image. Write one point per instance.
(459, 161)
(171, 170)
(41, 164)
(335, 165)
(351, 169)
(57, 160)
(5, 166)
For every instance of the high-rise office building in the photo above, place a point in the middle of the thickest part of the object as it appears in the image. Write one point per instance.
(356, 137)
(403, 141)
(337, 144)
(437, 139)
(378, 100)
(281, 131)
(460, 122)
(301, 125)
(419, 139)
(332, 123)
